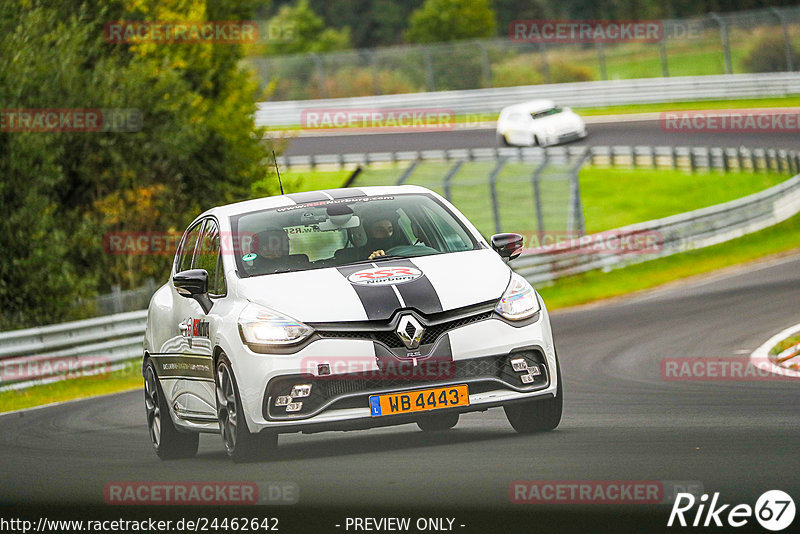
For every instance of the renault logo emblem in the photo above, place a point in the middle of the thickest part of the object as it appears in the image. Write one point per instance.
(409, 331)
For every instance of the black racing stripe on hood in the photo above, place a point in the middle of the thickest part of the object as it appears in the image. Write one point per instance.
(346, 193)
(308, 196)
(379, 302)
(419, 294)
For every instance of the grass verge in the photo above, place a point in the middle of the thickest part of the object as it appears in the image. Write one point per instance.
(130, 377)
(790, 341)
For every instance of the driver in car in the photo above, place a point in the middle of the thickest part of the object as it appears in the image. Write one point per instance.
(380, 237)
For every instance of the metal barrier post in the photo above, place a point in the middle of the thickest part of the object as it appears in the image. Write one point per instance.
(449, 178)
(537, 195)
(493, 191)
(726, 45)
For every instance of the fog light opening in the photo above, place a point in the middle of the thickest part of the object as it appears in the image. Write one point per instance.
(294, 406)
(300, 390)
(519, 365)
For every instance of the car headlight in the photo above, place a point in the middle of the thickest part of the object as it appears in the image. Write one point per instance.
(261, 326)
(519, 301)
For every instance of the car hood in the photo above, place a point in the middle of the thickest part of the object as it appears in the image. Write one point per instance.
(440, 282)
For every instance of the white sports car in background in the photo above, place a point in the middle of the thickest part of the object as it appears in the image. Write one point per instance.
(342, 309)
(538, 123)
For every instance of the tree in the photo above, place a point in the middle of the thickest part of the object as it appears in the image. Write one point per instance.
(306, 31)
(62, 192)
(452, 20)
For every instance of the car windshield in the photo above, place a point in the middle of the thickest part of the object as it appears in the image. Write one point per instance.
(546, 113)
(338, 232)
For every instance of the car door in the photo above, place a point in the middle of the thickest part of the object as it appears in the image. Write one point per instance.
(186, 373)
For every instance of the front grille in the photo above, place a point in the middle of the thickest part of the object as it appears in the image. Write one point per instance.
(428, 373)
(390, 339)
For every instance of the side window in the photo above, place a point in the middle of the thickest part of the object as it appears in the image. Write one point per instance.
(183, 260)
(208, 258)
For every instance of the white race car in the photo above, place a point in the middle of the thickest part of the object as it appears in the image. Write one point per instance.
(538, 123)
(337, 310)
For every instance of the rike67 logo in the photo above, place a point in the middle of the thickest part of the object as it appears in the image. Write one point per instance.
(774, 510)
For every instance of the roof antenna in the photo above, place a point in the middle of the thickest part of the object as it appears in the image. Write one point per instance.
(276, 170)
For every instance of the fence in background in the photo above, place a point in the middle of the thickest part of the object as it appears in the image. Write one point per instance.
(713, 44)
(578, 94)
(119, 300)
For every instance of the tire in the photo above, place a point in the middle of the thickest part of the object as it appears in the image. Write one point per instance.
(240, 444)
(437, 422)
(168, 442)
(538, 415)
(536, 141)
(502, 141)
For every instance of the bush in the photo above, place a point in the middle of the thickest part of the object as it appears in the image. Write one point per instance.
(527, 70)
(768, 54)
(521, 70)
(566, 72)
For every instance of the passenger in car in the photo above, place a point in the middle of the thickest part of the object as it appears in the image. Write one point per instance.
(273, 253)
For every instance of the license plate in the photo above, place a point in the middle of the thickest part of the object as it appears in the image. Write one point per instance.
(419, 401)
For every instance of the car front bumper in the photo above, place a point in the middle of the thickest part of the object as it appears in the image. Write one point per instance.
(477, 354)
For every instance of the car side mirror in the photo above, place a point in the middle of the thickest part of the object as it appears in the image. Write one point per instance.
(193, 284)
(509, 246)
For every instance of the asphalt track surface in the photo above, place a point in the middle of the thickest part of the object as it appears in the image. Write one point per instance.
(644, 133)
(622, 421)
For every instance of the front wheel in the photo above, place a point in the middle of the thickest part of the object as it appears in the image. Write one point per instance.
(537, 415)
(168, 442)
(502, 140)
(240, 444)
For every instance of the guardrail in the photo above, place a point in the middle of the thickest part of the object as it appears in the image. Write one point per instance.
(576, 94)
(49, 353)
